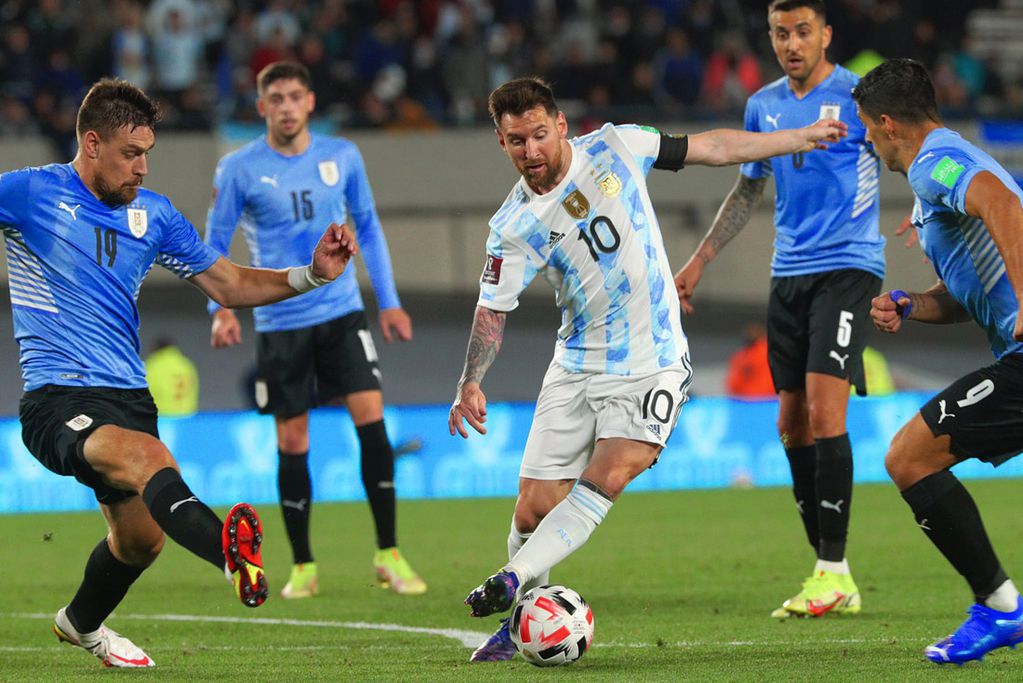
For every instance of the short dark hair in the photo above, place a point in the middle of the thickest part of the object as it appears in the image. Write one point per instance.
(788, 5)
(279, 71)
(112, 103)
(519, 95)
(899, 88)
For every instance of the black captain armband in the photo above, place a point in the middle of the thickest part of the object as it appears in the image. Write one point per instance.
(672, 155)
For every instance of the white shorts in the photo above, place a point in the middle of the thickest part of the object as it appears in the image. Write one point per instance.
(575, 409)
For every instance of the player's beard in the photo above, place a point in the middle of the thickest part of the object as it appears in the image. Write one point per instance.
(550, 177)
(116, 196)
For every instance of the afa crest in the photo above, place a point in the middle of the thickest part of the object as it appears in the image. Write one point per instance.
(329, 173)
(610, 185)
(138, 222)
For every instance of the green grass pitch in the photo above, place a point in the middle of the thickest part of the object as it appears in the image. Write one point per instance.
(681, 586)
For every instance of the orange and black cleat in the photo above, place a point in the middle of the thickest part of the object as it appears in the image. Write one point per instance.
(242, 537)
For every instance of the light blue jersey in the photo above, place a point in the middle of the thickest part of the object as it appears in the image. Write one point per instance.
(283, 205)
(826, 203)
(958, 245)
(596, 240)
(75, 268)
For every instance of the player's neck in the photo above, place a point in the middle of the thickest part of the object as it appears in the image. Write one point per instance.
(914, 141)
(823, 69)
(84, 174)
(291, 147)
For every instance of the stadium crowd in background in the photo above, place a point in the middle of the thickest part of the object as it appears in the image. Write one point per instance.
(416, 65)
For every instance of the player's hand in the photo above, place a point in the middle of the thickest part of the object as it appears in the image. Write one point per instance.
(333, 252)
(470, 404)
(887, 312)
(820, 134)
(226, 330)
(395, 323)
(907, 226)
(686, 281)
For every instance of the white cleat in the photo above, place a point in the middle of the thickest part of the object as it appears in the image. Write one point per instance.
(113, 649)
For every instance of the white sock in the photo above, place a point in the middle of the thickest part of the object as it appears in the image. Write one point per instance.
(1005, 598)
(563, 531)
(833, 567)
(516, 539)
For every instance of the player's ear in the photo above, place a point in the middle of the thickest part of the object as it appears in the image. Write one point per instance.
(260, 108)
(562, 124)
(827, 37)
(889, 125)
(90, 144)
(500, 139)
(312, 101)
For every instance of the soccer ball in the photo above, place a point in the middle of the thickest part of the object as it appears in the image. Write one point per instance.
(552, 625)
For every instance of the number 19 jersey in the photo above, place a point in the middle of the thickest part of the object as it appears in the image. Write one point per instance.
(596, 240)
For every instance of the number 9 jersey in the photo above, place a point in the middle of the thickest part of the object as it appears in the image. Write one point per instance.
(596, 240)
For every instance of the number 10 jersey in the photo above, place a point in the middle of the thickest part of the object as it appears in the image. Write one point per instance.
(596, 240)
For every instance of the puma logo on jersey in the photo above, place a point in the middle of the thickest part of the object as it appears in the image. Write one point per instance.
(941, 407)
(773, 120)
(190, 499)
(295, 504)
(70, 209)
(841, 359)
(268, 180)
(828, 505)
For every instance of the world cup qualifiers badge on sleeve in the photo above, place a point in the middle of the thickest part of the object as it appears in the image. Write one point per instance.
(492, 271)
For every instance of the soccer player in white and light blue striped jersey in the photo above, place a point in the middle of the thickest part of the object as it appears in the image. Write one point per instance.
(80, 239)
(828, 264)
(277, 189)
(581, 217)
(969, 217)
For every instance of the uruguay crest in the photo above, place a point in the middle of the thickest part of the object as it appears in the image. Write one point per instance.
(138, 222)
(329, 173)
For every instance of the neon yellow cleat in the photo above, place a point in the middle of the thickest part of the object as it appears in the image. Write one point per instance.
(393, 571)
(823, 593)
(303, 582)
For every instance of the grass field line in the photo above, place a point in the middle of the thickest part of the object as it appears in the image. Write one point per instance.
(466, 638)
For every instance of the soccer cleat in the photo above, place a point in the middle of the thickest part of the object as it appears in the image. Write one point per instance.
(496, 594)
(823, 593)
(113, 649)
(984, 630)
(498, 647)
(303, 582)
(393, 571)
(242, 538)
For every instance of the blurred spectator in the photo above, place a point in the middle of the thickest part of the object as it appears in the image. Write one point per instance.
(678, 73)
(173, 380)
(177, 48)
(748, 374)
(130, 46)
(732, 75)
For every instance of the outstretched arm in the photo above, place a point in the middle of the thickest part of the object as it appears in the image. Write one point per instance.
(732, 217)
(484, 343)
(232, 286)
(722, 147)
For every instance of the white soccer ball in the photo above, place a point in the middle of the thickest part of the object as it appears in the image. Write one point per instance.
(552, 625)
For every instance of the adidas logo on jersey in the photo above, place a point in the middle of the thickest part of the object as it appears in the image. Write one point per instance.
(655, 428)
(554, 239)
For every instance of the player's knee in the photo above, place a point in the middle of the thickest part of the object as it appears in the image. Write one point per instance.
(292, 442)
(825, 421)
(526, 519)
(138, 549)
(898, 460)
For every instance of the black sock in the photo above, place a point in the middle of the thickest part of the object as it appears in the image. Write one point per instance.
(378, 478)
(184, 517)
(834, 495)
(105, 584)
(296, 489)
(946, 512)
(803, 463)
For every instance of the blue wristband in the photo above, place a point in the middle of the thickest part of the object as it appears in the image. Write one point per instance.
(904, 311)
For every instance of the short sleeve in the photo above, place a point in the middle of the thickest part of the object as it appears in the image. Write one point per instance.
(643, 142)
(942, 176)
(508, 270)
(13, 195)
(754, 169)
(181, 250)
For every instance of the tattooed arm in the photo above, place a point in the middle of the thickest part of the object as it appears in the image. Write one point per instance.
(732, 217)
(484, 343)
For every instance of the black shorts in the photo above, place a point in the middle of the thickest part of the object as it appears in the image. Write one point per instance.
(299, 369)
(56, 421)
(982, 412)
(819, 323)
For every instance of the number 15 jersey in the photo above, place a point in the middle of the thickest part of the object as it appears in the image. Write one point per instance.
(597, 242)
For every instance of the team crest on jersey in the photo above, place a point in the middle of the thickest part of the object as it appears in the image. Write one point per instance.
(576, 204)
(610, 184)
(138, 222)
(329, 173)
(831, 111)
